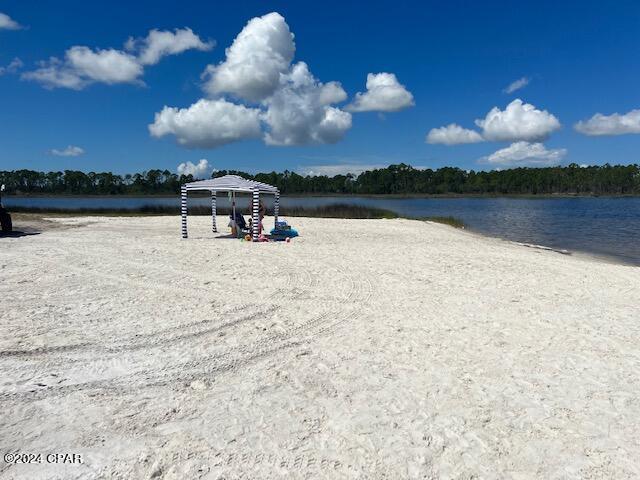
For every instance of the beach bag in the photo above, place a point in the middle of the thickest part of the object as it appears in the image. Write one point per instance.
(280, 233)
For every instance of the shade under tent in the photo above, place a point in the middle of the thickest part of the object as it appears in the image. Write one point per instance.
(230, 183)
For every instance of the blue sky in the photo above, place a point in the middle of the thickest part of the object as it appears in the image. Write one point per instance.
(450, 63)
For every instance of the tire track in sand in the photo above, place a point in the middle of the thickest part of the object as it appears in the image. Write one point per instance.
(357, 291)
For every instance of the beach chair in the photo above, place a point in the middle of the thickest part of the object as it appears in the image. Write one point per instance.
(240, 224)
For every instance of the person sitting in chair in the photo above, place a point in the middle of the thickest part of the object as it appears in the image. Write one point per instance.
(241, 224)
(262, 210)
(237, 224)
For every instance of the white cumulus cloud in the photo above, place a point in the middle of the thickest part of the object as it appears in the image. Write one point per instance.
(70, 151)
(286, 105)
(517, 85)
(106, 66)
(384, 94)
(83, 66)
(525, 154)
(283, 99)
(453, 134)
(261, 52)
(614, 124)
(207, 123)
(7, 23)
(300, 110)
(158, 44)
(519, 121)
(198, 170)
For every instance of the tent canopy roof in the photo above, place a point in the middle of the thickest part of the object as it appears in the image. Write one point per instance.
(231, 183)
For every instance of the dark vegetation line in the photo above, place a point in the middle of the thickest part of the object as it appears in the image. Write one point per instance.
(337, 210)
(326, 211)
(395, 179)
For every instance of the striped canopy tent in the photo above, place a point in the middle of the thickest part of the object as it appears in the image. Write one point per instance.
(230, 183)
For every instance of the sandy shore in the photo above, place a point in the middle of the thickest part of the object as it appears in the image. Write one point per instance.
(363, 349)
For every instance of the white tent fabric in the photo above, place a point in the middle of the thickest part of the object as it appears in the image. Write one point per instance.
(230, 183)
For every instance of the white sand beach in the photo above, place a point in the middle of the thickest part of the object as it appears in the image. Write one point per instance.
(362, 349)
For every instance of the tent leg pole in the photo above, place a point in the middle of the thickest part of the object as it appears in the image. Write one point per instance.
(213, 212)
(255, 216)
(183, 210)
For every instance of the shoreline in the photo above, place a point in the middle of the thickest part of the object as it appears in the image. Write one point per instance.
(30, 218)
(598, 257)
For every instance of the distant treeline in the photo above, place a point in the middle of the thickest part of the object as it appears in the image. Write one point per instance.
(395, 179)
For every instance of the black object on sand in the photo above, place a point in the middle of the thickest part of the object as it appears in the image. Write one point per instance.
(5, 218)
(5, 221)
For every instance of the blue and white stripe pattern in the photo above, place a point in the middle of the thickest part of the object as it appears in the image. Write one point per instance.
(255, 217)
(230, 183)
(276, 208)
(183, 210)
(213, 212)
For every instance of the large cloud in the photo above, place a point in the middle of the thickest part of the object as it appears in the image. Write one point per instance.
(300, 110)
(207, 123)
(83, 66)
(202, 169)
(7, 23)
(525, 154)
(518, 122)
(158, 44)
(614, 124)
(384, 94)
(453, 134)
(294, 107)
(261, 52)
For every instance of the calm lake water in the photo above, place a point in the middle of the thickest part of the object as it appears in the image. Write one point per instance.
(604, 225)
